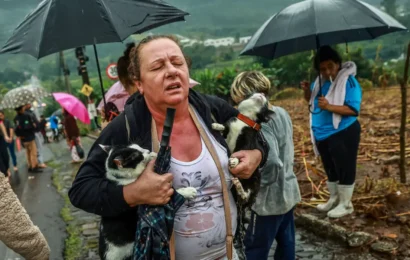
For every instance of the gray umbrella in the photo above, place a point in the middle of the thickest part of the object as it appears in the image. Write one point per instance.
(18, 97)
(38, 91)
(313, 23)
(57, 25)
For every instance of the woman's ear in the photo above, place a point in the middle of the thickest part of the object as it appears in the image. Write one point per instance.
(139, 86)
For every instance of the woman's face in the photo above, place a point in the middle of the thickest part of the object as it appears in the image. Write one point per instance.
(164, 79)
(329, 69)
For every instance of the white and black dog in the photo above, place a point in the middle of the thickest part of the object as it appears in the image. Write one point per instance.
(241, 133)
(124, 165)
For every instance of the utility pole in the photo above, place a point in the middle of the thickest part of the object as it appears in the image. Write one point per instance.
(82, 68)
(66, 72)
(82, 71)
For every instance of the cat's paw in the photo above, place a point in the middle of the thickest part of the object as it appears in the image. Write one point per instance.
(218, 127)
(233, 162)
(188, 192)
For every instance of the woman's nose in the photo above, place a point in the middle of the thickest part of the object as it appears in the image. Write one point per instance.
(171, 70)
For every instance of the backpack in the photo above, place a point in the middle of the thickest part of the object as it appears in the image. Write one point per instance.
(23, 123)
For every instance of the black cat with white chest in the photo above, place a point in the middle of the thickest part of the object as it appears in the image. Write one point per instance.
(124, 165)
(241, 134)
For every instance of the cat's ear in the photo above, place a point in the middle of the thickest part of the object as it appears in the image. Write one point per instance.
(118, 161)
(106, 148)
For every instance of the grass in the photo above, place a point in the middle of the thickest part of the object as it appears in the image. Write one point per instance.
(73, 243)
(54, 164)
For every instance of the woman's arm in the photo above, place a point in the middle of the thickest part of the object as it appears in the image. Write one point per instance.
(352, 100)
(341, 110)
(17, 230)
(91, 190)
(3, 129)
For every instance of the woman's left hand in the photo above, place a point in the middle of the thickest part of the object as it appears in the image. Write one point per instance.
(323, 103)
(249, 160)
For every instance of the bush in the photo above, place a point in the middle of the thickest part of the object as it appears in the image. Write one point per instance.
(288, 93)
(84, 129)
(365, 83)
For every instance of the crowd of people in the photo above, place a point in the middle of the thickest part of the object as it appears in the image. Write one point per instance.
(155, 73)
(146, 70)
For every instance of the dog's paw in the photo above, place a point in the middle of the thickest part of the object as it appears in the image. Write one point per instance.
(233, 162)
(152, 155)
(188, 192)
(218, 127)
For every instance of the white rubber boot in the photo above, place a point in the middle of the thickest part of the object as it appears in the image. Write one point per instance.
(345, 206)
(332, 187)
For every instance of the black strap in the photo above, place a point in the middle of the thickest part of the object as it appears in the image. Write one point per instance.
(131, 123)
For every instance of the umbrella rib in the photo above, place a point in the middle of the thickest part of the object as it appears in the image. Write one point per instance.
(109, 17)
(315, 19)
(43, 27)
(374, 15)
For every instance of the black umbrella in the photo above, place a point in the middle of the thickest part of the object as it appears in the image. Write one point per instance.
(57, 25)
(313, 23)
(156, 223)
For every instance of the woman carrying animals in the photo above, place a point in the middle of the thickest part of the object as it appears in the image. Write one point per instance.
(160, 71)
(335, 130)
(272, 213)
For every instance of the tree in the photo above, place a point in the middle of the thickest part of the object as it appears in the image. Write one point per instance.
(390, 6)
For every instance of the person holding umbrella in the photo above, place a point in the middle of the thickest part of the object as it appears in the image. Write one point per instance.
(161, 73)
(38, 136)
(335, 130)
(25, 129)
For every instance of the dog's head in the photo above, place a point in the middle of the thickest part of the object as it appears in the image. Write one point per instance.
(124, 157)
(256, 108)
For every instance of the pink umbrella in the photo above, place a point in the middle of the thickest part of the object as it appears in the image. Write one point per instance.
(193, 83)
(73, 105)
(118, 95)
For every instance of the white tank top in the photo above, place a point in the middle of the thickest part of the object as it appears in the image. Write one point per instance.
(200, 229)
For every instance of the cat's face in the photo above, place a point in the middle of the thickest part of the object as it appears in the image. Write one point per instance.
(124, 157)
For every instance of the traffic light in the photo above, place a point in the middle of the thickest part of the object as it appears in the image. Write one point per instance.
(82, 68)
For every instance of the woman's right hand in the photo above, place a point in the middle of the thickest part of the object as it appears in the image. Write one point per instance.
(150, 188)
(304, 85)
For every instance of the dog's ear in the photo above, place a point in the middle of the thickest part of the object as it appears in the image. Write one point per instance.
(106, 148)
(265, 114)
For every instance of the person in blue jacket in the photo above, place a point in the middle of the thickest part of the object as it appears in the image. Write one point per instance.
(54, 126)
(335, 129)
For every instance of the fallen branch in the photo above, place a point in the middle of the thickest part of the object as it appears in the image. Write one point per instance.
(368, 198)
(396, 215)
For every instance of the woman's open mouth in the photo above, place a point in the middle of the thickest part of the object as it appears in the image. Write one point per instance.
(172, 87)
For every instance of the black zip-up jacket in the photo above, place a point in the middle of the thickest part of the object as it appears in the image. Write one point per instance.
(93, 192)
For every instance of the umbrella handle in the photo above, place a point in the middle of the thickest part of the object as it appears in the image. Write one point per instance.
(99, 75)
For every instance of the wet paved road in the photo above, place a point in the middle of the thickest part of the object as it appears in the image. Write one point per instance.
(43, 204)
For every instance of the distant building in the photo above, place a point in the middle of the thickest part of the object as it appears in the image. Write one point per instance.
(244, 40)
(187, 42)
(228, 41)
(219, 42)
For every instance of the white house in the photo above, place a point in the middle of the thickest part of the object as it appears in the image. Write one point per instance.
(228, 41)
(244, 40)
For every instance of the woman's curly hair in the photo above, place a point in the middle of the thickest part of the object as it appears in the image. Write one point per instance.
(134, 69)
